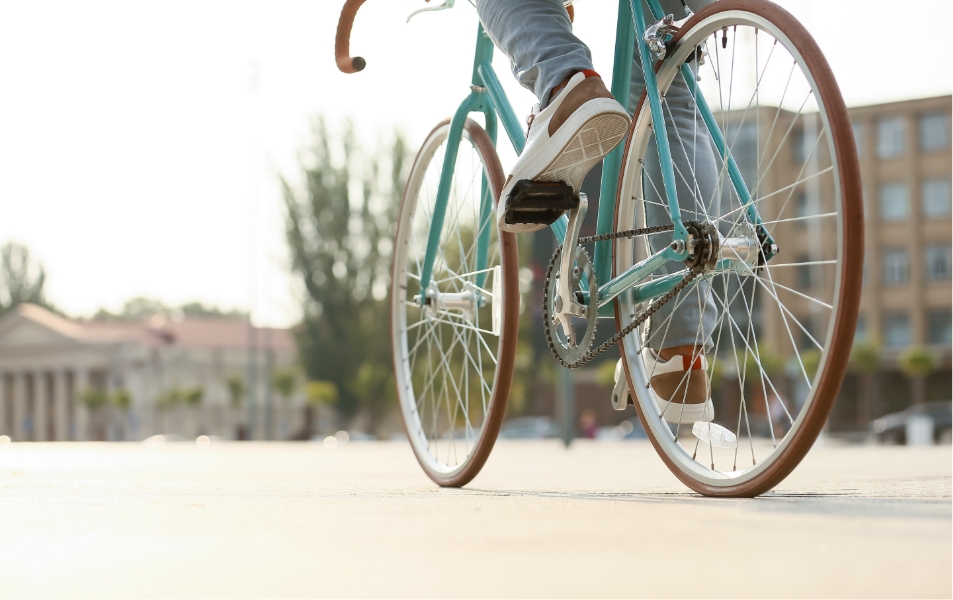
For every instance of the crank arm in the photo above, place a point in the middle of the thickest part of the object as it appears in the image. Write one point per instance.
(566, 305)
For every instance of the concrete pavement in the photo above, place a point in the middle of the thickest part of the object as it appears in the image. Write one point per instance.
(599, 519)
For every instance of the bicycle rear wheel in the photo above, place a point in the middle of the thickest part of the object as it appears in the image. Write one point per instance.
(454, 353)
(777, 338)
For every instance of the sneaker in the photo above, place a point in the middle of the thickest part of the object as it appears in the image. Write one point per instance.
(567, 139)
(680, 386)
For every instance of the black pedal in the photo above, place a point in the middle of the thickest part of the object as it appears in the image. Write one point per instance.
(539, 202)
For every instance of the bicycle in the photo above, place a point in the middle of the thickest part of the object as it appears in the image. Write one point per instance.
(788, 184)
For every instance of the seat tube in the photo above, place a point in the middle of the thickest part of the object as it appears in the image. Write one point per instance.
(658, 122)
(612, 164)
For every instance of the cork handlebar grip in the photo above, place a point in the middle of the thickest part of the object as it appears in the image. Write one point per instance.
(342, 40)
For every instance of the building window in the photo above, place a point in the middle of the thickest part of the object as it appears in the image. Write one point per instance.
(936, 197)
(893, 201)
(858, 129)
(933, 132)
(938, 263)
(940, 328)
(896, 267)
(896, 330)
(890, 134)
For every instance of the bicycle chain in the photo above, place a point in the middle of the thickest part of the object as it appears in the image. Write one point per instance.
(648, 312)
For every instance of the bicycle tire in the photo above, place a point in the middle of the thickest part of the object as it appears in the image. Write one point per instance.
(429, 420)
(842, 282)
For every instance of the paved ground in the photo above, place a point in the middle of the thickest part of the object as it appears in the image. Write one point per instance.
(601, 519)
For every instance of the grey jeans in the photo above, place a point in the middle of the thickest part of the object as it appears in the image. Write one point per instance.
(537, 37)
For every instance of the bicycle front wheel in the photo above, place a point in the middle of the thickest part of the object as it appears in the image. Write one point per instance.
(454, 342)
(776, 337)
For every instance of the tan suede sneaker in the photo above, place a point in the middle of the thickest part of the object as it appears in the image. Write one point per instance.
(680, 386)
(567, 139)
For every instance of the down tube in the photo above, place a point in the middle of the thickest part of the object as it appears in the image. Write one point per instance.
(487, 198)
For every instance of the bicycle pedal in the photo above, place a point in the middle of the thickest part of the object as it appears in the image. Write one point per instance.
(539, 202)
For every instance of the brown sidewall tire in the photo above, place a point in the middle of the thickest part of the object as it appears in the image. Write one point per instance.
(852, 248)
(506, 354)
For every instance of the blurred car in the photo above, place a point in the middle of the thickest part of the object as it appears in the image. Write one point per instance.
(892, 428)
(528, 428)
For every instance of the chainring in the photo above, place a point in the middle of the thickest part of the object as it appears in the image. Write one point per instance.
(562, 344)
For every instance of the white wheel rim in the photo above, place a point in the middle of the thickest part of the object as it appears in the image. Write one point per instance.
(445, 459)
(631, 188)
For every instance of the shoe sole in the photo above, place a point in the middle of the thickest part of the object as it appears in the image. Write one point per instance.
(676, 412)
(590, 143)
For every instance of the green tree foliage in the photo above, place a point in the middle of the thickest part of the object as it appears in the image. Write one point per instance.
(864, 358)
(170, 399)
(236, 390)
(21, 278)
(811, 359)
(193, 396)
(285, 382)
(917, 363)
(340, 228)
(121, 399)
(93, 398)
(321, 392)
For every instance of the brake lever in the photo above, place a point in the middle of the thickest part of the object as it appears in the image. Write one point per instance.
(446, 4)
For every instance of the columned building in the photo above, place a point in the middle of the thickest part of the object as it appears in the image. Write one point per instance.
(63, 379)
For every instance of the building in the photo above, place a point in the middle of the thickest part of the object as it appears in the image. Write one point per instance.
(60, 378)
(905, 156)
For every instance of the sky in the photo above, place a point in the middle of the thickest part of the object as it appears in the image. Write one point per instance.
(141, 142)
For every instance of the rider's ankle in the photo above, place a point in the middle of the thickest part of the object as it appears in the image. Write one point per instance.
(687, 350)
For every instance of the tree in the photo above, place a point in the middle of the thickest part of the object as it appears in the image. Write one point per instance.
(236, 390)
(121, 399)
(285, 381)
(193, 396)
(94, 399)
(21, 279)
(340, 247)
(865, 361)
(916, 363)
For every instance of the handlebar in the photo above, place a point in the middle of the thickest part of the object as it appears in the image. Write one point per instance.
(342, 40)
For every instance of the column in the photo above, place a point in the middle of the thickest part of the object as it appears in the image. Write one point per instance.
(60, 407)
(19, 406)
(4, 413)
(80, 384)
(41, 403)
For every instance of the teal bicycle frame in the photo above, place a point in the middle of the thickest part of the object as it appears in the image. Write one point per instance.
(488, 97)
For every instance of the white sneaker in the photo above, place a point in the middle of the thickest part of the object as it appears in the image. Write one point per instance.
(586, 124)
(681, 394)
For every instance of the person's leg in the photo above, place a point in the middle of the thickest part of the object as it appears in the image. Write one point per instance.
(684, 325)
(576, 125)
(537, 37)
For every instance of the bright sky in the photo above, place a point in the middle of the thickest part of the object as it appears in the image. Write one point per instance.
(134, 159)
